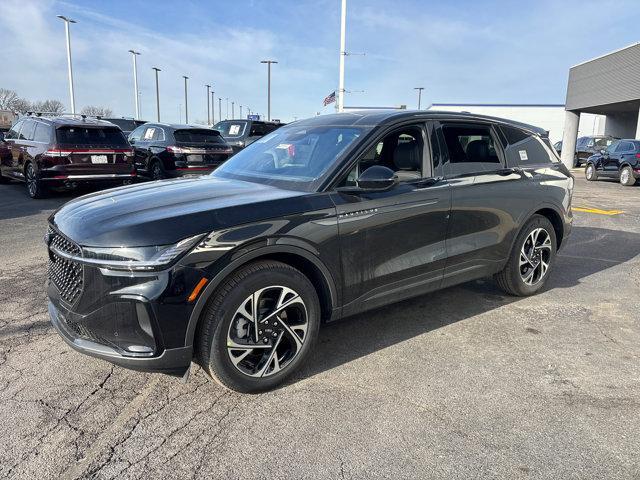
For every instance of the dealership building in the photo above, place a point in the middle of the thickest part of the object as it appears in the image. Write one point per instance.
(608, 85)
(550, 117)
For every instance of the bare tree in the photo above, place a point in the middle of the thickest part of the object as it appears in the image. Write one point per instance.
(21, 106)
(96, 111)
(49, 106)
(9, 100)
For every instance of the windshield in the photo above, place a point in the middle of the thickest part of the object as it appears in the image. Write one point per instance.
(293, 157)
(603, 142)
(231, 128)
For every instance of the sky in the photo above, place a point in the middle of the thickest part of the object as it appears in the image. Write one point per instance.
(459, 51)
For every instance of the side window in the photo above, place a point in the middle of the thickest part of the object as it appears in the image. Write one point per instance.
(471, 148)
(137, 133)
(612, 146)
(624, 147)
(402, 151)
(158, 135)
(28, 127)
(524, 149)
(257, 129)
(581, 141)
(13, 132)
(42, 133)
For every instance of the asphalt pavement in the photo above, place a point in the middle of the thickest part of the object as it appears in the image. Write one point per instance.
(461, 383)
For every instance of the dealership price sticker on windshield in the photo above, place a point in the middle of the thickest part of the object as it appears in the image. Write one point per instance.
(523, 155)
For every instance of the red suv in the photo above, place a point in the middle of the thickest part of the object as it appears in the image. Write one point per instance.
(63, 152)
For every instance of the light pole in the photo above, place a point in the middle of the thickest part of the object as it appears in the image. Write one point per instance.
(67, 21)
(343, 53)
(213, 108)
(134, 54)
(220, 108)
(419, 89)
(186, 105)
(208, 110)
(233, 110)
(157, 92)
(269, 62)
(240, 111)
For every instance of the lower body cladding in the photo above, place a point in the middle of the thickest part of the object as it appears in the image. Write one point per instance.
(135, 320)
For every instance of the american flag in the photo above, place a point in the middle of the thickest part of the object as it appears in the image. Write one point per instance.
(329, 98)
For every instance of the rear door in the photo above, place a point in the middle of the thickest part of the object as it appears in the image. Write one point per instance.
(392, 243)
(614, 162)
(488, 195)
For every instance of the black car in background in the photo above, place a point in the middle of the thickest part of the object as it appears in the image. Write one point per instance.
(620, 160)
(323, 219)
(64, 152)
(587, 146)
(127, 125)
(164, 151)
(240, 133)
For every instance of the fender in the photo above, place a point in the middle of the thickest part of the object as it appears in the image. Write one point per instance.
(529, 214)
(245, 258)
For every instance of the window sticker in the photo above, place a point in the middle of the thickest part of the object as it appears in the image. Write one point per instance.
(523, 155)
(234, 129)
(148, 135)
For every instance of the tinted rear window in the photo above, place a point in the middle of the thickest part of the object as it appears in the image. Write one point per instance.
(197, 136)
(525, 149)
(91, 136)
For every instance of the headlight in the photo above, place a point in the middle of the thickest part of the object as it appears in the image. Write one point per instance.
(138, 258)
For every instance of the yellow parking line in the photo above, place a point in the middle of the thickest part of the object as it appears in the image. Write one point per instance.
(597, 210)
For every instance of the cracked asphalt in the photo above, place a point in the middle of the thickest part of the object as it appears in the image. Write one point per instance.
(461, 383)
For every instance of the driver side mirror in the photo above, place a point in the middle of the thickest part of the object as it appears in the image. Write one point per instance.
(374, 179)
(132, 141)
(603, 152)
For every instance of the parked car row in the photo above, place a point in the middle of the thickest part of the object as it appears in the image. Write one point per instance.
(620, 160)
(587, 146)
(64, 152)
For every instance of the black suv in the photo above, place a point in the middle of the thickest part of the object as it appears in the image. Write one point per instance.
(587, 146)
(163, 151)
(326, 218)
(620, 160)
(240, 133)
(63, 152)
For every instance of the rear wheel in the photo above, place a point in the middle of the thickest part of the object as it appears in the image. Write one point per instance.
(259, 327)
(157, 173)
(35, 188)
(590, 172)
(531, 259)
(626, 176)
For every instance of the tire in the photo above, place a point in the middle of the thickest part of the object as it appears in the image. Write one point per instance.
(626, 176)
(228, 321)
(35, 188)
(513, 278)
(590, 172)
(155, 170)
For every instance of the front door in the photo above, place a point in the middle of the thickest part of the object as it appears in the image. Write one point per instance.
(392, 243)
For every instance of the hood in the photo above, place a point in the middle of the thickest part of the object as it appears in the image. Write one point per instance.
(162, 213)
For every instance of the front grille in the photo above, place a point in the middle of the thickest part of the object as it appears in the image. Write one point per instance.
(65, 274)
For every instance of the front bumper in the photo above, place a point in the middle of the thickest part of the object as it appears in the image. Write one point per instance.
(172, 361)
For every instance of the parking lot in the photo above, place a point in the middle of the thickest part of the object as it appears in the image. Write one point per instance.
(461, 383)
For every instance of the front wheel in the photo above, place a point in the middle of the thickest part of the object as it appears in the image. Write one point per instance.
(590, 173)
(626, 176)
(531, 260)
(259, 327)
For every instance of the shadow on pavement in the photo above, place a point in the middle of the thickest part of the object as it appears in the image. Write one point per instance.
(358, 336)
(15, 201)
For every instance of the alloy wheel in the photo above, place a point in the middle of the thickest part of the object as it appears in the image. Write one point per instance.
(624, 175)
(589, 172)
(156, 171)
(535, 256)
(267, 331)
(32, 184)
